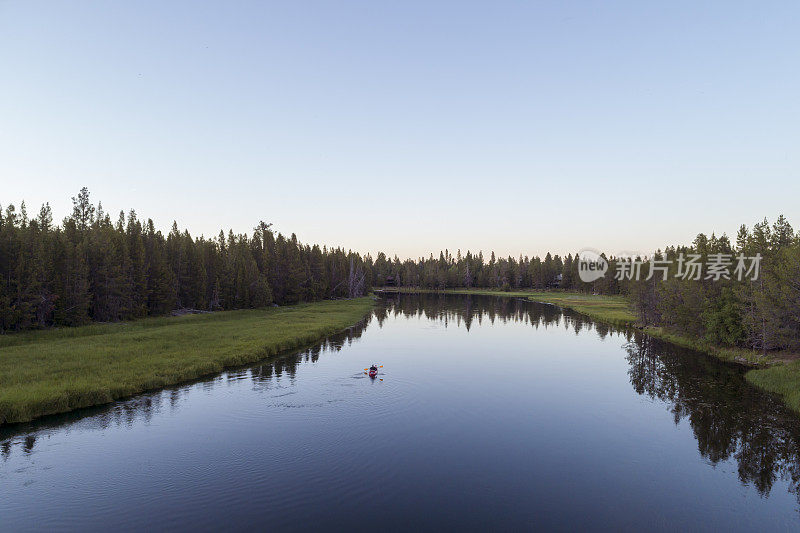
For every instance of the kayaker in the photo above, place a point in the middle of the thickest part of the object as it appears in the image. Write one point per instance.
(373, 368)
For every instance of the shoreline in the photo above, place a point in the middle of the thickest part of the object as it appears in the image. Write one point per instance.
(611, 310)
(779, 376)
(53, 371)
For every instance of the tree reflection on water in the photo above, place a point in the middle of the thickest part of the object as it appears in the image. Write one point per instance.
(730, 419)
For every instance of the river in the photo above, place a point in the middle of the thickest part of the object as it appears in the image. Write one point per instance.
(488, 413)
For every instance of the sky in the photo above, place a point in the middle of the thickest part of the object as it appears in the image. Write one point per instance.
(409, 127)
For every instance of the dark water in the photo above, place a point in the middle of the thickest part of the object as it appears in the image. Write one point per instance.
(492, 414)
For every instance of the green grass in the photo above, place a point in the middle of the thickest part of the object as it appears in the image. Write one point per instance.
(54, 371)
(783, 379)
(613, 310)
(741, 356)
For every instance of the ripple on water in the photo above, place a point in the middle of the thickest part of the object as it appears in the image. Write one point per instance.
(291, 441)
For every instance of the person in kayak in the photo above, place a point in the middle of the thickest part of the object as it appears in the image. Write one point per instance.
(373, 370)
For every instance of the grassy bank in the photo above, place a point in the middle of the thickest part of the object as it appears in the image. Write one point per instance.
(740, 356)
(783, 379)
(55, 371)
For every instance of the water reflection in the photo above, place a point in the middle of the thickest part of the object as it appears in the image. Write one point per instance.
(264, 376)
(464, 309)
(729, 419)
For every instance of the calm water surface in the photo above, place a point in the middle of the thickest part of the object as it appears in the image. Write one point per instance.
(492, 413)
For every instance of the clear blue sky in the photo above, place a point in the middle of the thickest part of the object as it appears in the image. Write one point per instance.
(409, 126)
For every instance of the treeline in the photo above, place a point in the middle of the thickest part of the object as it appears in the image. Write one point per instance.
(474, 270)
(728, 310)
(760, 311)
(90, 268)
